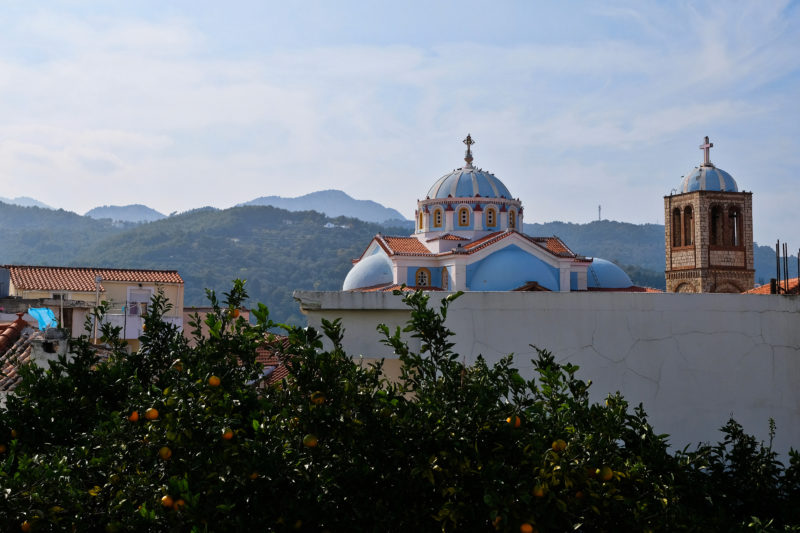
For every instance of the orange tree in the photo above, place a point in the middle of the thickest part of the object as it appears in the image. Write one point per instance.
(182, 438)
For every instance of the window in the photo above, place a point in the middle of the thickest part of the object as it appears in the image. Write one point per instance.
(716, 226)
(437, 218)
(491, 217)
(420, 220)
(463, 217)
(512, 219)
(688, 226)
(736, 226)
(423, 277)
(138, 300)
(676, 227)
(444, 278)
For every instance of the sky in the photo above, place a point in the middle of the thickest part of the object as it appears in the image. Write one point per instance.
(573, 105)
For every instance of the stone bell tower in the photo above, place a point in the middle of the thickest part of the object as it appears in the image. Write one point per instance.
(708, 226)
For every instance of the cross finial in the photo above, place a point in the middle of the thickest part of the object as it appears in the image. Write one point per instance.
(706, 148)
(469, 142)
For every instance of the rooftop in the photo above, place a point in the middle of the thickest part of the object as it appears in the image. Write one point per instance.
(82, 279)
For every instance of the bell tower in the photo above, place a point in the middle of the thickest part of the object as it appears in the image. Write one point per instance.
(708, 232)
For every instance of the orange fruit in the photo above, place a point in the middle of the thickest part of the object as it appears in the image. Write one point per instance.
(310, 441)
(178, 365)
(3, 448)
(179, 504)
(14, 433)
(166, 500)
(165, 453)
(526, 528)
(579, 495)
(538, 491)
(134, 416)
(151, 414)
(514, 421)
(227, 433)
(318, 398)
(254, 475)
(25, 526)
(559, 445)
(605, 473)
(235, 313)
(214, 381)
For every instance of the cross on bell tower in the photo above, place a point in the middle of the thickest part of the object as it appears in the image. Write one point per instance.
(468, 157)
(706, 148)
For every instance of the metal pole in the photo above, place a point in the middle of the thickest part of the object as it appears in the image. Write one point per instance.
(778, 263)
(97, 281)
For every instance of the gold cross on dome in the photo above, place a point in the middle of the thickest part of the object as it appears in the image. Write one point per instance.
(469, 142)
(706, 148)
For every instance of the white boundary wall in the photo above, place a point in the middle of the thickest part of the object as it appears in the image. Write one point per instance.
(693, 360)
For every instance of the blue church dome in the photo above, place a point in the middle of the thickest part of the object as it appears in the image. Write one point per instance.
(604, 274)
(369, 272)
(467, 182)
(511, 268)
(708, 178)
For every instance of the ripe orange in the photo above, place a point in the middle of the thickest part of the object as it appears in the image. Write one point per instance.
(254, 475)
(227, 433)
(214, 381)
(318, 398)
(3, 448)
(310, 441)
(235, 313)
(165, 453)
(538, 491)
(605, 473)
(559, 445)
(151, 414)
(179, 504)
(514, 421)
(14, 433)
(25, 526)
(178, 365)
(526, 528)
(579, 495)
(134, 416)
(166, 500)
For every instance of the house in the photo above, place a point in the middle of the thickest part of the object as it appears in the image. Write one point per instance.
(72, 292)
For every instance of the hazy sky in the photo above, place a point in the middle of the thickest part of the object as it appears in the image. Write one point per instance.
(178, 105)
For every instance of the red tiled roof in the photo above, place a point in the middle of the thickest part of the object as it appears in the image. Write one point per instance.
(448, 237)
(267, 355)
(18, 354)
(485, 241)
(405, 245)
(794, 288)
(81, 279)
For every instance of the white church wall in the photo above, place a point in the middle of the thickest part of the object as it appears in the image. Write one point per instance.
(693, 360)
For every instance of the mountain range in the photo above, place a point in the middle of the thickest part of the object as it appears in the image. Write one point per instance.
(125, 213)
(278, 250)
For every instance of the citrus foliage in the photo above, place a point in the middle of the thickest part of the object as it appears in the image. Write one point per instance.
(181, 438)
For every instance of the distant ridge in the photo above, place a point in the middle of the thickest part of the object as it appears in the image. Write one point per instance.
(126, 213)
(333, 203)
(24, 201)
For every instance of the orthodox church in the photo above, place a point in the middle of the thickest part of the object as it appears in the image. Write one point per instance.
(468, 237)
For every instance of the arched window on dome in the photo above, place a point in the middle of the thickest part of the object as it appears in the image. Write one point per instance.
(491, 217)
(512, 219)
(423, 277)
(444, 279)
(463, 216)
(420, 219)
(688, 226)
(676, 227)
(437, 218)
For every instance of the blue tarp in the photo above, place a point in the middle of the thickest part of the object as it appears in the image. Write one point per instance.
(44, 316)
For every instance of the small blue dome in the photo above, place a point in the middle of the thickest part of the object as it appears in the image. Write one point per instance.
(708, 178)
(606, 275)
(468, 182)
(369, 272)
(509, 269)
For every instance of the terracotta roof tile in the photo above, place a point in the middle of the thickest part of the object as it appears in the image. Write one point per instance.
(794, 288)
(18, 354)
(267, 355)
(81, 279)
(448, 237)
(405, 245)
